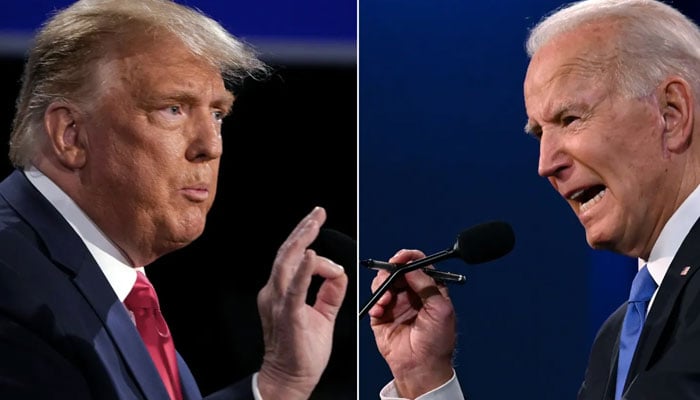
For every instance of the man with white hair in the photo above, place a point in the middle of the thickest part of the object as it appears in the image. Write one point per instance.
(611, 93)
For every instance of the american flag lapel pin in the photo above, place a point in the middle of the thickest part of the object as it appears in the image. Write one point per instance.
(685, 270)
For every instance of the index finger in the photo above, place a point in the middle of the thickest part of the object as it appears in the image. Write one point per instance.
(291, 252)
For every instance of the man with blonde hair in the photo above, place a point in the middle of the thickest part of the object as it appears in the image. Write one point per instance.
(116, 143)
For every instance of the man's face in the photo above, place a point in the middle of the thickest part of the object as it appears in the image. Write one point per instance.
(603, 152)
(154, 144)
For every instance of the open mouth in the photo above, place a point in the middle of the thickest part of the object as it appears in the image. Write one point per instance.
(589, 196)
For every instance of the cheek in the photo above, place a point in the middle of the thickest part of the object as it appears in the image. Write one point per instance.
(135, 167)
(638, 130)
(628, 140)
(146, 151)
(631, 167)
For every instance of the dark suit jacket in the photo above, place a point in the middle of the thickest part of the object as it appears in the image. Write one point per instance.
(666, 364)
(63, 332)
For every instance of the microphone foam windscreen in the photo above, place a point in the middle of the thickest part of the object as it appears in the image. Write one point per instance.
(337, 246)
(485, 242)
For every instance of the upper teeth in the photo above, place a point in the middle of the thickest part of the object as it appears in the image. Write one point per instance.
(577, 194)
(585, 206)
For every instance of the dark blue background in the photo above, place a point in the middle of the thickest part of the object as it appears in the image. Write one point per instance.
(309, 19)
(442, 148)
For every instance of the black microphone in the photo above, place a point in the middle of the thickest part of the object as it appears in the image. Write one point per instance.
(478, 244)
(337, 246)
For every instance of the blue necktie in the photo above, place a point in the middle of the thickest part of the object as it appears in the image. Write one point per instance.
(643, 287)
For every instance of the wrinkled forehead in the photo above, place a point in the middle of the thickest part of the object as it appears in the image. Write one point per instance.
(153, 48)
(143, 62)
(573, 71)
(584, 54)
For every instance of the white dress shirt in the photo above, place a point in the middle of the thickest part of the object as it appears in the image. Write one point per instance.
(671, 238)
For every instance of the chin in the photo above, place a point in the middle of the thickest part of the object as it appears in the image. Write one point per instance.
(185, 233)
(191, 234)
(181, 240)
(599, 241)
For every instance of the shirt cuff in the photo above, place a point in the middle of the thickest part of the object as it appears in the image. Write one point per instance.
(449, 390)
(256, 391)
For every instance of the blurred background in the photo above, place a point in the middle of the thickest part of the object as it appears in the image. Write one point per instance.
(442, 148)
(290, 144)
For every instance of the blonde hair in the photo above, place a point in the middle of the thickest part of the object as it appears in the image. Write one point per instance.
(68, 46)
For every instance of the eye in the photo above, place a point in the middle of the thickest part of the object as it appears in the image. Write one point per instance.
(218, 116)
(568, 120)
(174, 109)
(172, 113)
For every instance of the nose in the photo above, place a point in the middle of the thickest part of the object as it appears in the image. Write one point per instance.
(206, 141)
(553, 156)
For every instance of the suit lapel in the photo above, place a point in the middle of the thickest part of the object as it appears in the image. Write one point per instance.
(190, 390)
(614, 355)
(682, 268)
(71, 255)
(599, 382)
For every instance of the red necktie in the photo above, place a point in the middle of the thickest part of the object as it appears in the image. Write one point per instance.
(143, 303)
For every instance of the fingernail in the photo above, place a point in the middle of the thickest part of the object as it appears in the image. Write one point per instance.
(337, 265)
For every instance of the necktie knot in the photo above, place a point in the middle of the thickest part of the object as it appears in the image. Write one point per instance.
(643, 286)
(142, 295)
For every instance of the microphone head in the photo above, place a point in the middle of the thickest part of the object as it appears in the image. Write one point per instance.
(337, 246)
(485, 242)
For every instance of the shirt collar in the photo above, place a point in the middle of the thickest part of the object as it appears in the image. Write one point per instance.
(114, 265)
(672, 236)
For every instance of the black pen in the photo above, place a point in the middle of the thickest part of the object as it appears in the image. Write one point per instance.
(439, 276)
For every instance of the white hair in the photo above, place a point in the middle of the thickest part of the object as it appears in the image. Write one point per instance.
(652, 39)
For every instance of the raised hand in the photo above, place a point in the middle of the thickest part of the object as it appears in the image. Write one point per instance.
(298, 336)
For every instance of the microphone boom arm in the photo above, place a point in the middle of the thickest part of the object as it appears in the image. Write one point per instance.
(402, 269)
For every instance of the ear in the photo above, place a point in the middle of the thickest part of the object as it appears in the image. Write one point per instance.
(62, 124)
(677, 107)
